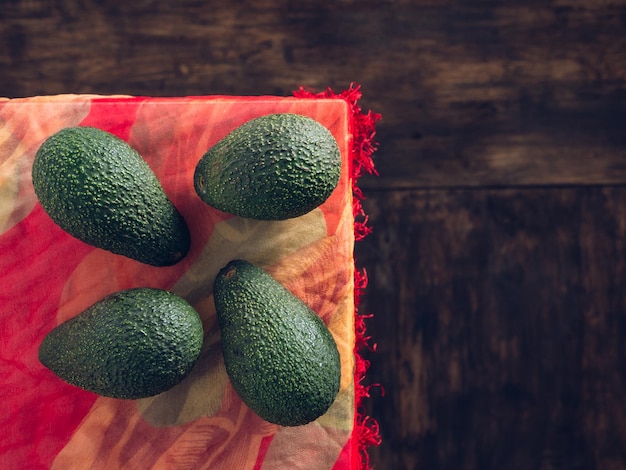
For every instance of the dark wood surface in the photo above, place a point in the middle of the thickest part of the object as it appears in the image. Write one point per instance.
(506, 348)
(497, 264)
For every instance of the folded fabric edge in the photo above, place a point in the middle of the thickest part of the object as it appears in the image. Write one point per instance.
(363, 146)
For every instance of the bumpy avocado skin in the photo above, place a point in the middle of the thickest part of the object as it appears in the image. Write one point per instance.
(100, 190)
(280, 357)
(274, 167)
(132, 344)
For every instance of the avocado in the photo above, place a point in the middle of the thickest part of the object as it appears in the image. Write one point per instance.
(279, 355)
(131, 344)
(274, 167)
(100, 190)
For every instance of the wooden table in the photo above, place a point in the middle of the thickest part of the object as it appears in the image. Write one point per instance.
(497, 265)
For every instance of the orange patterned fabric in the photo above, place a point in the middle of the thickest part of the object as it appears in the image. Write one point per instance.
(48, 276)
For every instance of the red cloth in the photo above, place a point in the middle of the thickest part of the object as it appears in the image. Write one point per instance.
(49, 276)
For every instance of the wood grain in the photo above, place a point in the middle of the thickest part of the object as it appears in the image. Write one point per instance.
(500, 326)
(472, 93)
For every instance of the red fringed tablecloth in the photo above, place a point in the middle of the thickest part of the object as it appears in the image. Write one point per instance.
(47, 276)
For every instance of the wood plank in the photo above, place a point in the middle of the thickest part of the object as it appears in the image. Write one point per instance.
(500, 93)
(472, 93)
(501, 329)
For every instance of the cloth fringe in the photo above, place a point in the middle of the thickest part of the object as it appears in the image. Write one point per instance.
(363, 130)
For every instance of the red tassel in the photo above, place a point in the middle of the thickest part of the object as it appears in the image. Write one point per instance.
(363, 145)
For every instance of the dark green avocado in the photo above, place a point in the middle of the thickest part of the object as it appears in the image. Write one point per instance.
(100, 190)
(274, 167)
(280, 357)
(132, 344)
